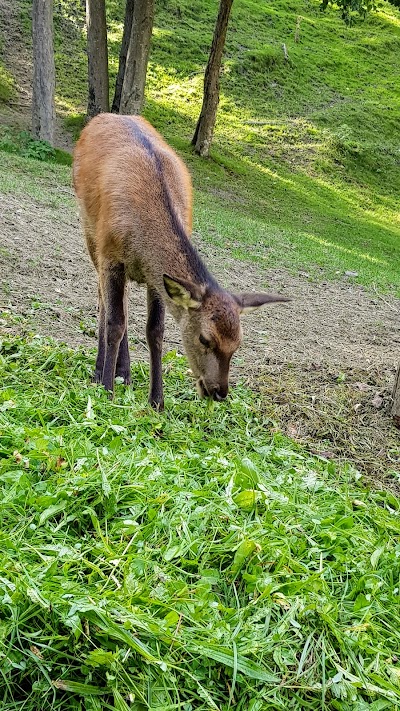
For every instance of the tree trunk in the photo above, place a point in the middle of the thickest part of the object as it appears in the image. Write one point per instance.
(205, 126)
(98, 99)
(396, 399)
(138, 54)
(43, 113)
(122, 55)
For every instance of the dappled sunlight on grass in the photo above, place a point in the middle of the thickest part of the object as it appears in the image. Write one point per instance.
(389, 16)
(301, 147)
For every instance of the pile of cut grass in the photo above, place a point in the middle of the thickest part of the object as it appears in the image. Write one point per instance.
(185, 560)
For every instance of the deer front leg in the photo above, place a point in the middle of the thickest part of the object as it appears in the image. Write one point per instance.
(155, 335)
(123, 369)
(112, 285)
(101, 350)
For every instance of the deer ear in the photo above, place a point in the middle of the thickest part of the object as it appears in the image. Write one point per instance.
(183, 293)
(250, 302)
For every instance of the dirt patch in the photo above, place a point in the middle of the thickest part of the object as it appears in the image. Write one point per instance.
(47, 277)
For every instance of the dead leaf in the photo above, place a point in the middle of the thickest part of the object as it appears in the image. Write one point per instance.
(36, 651)
(377, 401)
(362, 386)
(292, 431)
(326, 455)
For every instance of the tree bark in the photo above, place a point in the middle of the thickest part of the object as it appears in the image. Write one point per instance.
(98, 98)
(205, 125)
(123, 55)
(396, 399)
(132, 96)
(43, 113)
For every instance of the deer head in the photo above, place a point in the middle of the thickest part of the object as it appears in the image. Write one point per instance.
(209, 319)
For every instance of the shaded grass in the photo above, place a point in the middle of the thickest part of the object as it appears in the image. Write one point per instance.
(21, 143)
(186, 560)
(48, 183)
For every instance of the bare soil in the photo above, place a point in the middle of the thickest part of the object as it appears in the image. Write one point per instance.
(47, 277)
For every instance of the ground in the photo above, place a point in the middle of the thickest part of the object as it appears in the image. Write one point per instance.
(201, 557)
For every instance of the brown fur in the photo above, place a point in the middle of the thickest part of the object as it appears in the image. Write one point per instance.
(135, 196)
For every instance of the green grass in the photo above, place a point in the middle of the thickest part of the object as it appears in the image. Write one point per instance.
(7, 88)
(21, 143)
(195, 559)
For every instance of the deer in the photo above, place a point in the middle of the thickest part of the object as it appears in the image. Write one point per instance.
(135, 200)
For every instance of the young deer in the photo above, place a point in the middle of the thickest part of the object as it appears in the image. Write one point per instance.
(135, 196)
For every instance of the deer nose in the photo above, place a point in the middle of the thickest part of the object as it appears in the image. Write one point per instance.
(220, 394)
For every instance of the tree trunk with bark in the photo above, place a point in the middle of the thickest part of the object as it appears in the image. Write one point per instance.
(98, 98)
(205, 126)
(123, 55)
(132, 96)
(43, 113)
(396, 399)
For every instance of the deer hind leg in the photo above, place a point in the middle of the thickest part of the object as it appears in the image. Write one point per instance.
(113, 288)
(155, 334)
(123, 368)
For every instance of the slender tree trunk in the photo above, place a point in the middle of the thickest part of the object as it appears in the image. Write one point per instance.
(205, 126)
(396, 399)
(43, 113)
(98, 99)
(138, 54)
(123, 54)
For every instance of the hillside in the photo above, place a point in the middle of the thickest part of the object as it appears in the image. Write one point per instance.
(305, 163)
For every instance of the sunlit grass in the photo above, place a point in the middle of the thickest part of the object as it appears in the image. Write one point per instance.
(301, 146)
(346, 250)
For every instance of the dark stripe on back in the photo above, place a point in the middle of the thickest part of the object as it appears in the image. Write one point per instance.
(195, 262)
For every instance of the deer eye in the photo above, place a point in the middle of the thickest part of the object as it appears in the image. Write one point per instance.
(204, 341)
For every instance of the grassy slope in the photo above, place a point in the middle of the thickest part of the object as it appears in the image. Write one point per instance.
(186, 560)
(305, 165)
(305, 170)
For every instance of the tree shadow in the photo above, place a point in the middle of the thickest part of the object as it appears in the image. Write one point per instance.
(330, 217)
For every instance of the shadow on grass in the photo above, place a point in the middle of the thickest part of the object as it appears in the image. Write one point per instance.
(319, 217)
